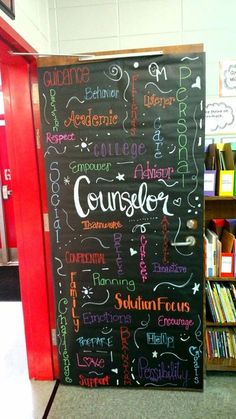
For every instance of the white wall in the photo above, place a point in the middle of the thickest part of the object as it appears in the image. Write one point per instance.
(93, 25)
(32, 22)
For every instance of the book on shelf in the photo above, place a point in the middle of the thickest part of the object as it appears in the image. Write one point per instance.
(221, 343)
(221, 305)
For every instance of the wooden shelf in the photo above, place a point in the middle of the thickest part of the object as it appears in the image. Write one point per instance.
(226, 324)
(221, 364)
(220, 198)
(220, 279)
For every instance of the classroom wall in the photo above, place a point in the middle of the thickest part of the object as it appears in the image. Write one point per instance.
(31, 22)
(93, 25)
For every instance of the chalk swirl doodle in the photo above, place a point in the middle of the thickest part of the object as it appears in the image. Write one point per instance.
(74, 98)
(157, 87)
(141, 227)
(172, 353)
(189, 58)
(105, 180)
(198, 333)
(128, 83)
(123, 123)
(194, 177)
(95, 238)
(144, 324)
(60, 267)
(98, 304)
(54, 148)
(67, 222)
(168, 184)
(174, 285)
(44, 109)
(115, 72)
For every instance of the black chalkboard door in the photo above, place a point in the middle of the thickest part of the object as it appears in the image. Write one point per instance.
(123, 146)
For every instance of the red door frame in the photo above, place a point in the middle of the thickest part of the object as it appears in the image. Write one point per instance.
(36, 291)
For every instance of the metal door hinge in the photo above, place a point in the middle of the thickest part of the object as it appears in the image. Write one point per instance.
(54, 337)
(46, 222)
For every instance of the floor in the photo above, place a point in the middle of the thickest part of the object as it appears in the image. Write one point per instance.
(21, 398)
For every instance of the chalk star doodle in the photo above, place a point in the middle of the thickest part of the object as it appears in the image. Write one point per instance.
(154, 354)
(195, 288)
(120, 176)
(67, 180)
(84, 144)
(132, 251)
(87, 291)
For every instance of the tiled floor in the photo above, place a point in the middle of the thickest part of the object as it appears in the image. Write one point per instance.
(21, 398)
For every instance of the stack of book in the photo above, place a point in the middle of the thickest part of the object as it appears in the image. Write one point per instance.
(221, 343)
(220, 248)
(220, 170)
(221, 302)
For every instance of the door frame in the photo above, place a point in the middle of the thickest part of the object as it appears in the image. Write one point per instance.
(36, 294)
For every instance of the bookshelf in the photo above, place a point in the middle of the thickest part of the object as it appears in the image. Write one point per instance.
(219, 207)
